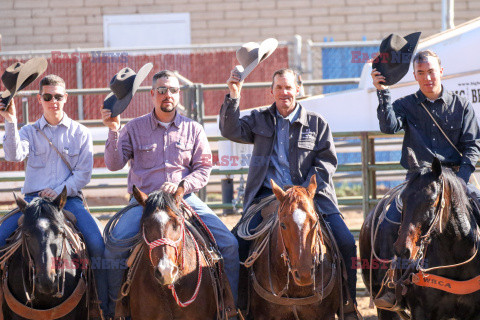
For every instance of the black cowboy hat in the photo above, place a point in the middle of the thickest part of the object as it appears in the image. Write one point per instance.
(396, 52)
(19, 75)
(124, 85)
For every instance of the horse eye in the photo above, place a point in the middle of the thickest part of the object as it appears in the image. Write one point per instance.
(283, 226)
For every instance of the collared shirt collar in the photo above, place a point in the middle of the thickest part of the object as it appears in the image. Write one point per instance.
(446, 96)
(293, 116)
(302, 116)
(156, 123)
(66, 121)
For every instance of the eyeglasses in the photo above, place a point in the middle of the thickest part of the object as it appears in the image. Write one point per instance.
(48, 97)
(163, 90)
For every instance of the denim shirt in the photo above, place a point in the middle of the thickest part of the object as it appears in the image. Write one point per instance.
(45, 168)
(453, 113)
(279, 167)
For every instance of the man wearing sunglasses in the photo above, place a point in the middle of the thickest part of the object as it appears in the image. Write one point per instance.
(47, 172)
(163, 148)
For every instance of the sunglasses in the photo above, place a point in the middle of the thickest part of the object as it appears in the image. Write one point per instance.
(163, 90)
(48, 97)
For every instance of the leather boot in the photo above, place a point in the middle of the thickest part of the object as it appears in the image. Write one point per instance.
(386, 300)
(350, 312)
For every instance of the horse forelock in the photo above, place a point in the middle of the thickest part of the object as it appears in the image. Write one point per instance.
(455, 193)
(43, 208)
(160, 200)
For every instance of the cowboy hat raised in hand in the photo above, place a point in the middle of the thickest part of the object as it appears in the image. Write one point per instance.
(124, 85)
(19, 75)
(251, 54)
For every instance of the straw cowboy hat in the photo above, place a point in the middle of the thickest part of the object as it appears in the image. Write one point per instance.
(19, 75)
(251, 54)
(124, 85)
(396, 52)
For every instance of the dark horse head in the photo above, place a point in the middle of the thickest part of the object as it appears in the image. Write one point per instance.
(164, 231)
(434, 201)
(299, 229)
(43, 236)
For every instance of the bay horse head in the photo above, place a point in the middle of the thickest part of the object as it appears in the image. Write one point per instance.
(43, 241)
(431, 195)
(299, 230)
(163, 228)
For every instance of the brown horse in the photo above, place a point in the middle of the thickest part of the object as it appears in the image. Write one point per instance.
(172, 279)
(436, 268)
(296, 276)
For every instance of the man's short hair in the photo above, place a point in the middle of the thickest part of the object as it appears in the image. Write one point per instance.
(422, 57)
(51, 80)
(284, 71)
(162, 74)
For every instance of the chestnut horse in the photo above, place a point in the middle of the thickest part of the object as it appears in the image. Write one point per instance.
(297, 275)
(45, 278)
(172, 279)
(435, 247)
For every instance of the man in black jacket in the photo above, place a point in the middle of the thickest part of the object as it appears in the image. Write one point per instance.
(290, 145)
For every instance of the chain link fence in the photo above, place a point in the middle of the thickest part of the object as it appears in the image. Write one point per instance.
(335, 60)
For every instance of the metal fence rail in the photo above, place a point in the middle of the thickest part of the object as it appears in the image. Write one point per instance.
(368, 169)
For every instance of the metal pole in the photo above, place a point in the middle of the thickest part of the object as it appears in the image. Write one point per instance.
(365, 186)
(447, 14)
(297, 53)
(310, 63)
(80, 85)
(25, 110)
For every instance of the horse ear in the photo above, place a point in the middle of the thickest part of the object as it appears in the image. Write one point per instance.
(61, 199)
(277, 191)
(22, 204)
(139, 196)
(412, 159)
(178, 195)
(312, 187)
(436, 167)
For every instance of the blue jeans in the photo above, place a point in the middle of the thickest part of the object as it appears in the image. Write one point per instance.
(129, 225)
(348, 249)
(87, 226)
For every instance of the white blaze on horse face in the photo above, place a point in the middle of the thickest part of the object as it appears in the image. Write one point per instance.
(299, 217)
(162, 218)
(43, 224)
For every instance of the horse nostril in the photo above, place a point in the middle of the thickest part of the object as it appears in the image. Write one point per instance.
(158, 274)
(296, 274)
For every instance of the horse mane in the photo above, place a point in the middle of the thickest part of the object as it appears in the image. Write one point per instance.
(453, 185)
(43, 207)
(160, 200)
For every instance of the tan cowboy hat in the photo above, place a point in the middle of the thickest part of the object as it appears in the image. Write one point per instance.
(19, 75)
(124, 85)
(251, 54)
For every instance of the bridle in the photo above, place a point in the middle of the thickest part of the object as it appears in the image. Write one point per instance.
(31, 270)
(286, 257)
(178, 253)
(427, 238)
